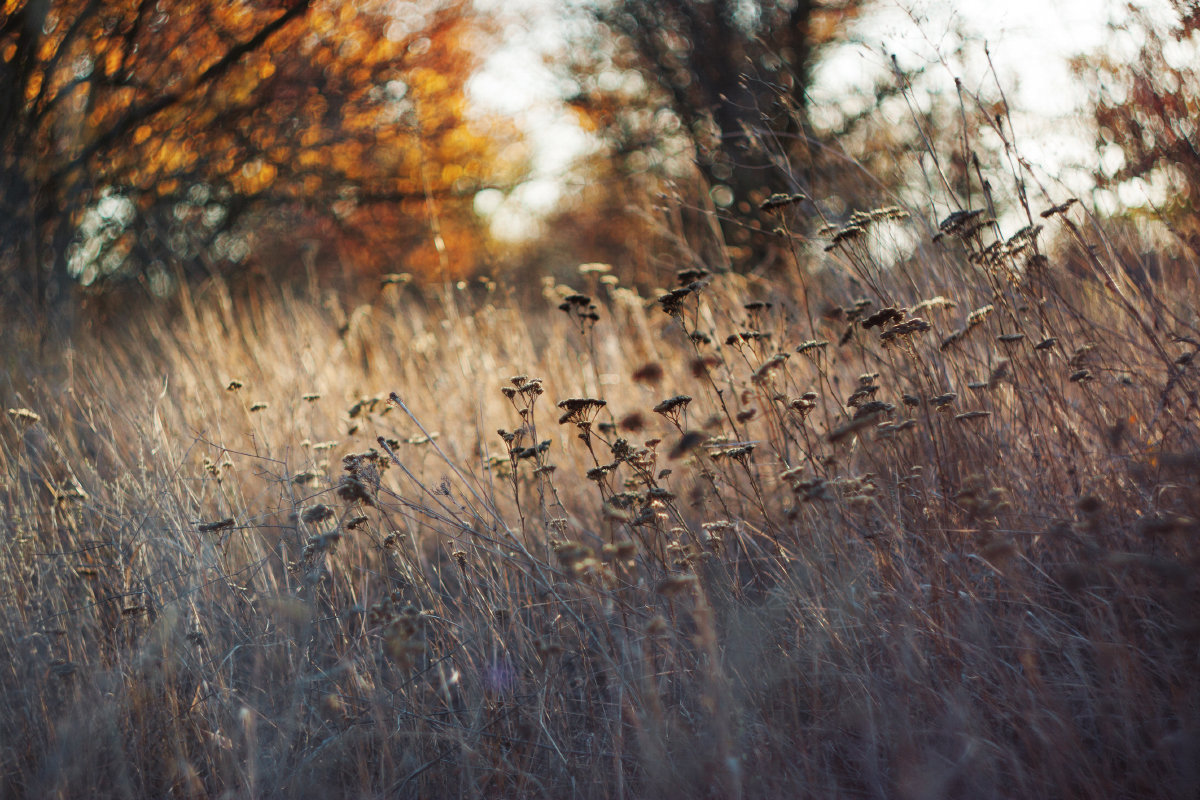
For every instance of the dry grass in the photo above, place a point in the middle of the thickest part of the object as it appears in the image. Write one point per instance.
(921, 529)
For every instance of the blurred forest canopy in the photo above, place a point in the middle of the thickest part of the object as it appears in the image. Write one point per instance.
(163, 140)
(1148, 108)
(719, 86)
(150, 143)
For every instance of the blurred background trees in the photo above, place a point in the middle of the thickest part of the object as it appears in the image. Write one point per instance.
(1147, 114)
(151, 143)
(160, 140)
(719, 86)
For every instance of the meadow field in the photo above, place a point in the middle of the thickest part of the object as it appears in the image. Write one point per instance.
(916, 518)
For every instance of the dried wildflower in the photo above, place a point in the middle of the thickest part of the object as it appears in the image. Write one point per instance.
(301, 478)
(575, 301)
(672, 301)
(258, 407)
(673, 407)
(958, 222)
(860, 394)
(882, 214)
(780, 200)
(1047, 343)
(311, 397)
(315, 514)
(674, 585)
(853, 426)
(999, 373)
(756, 306)
(571, 553)
(977, 316)
(933, 302)
(884, 316)
(701, 366)
(812, 489)
(803, 404)
(772, 364)
(692, 276)
(633, 422)
(580, 410)
(352, 489)
(621, 450)
(1022, 239)
(968, 415)
(858, 309)
(887, 429)
(533, 451)
(23, 416)
(953, 339)
(846, 234)
(531, 388)
(1010, 338)
(355, 522)
(747, 415)
(907, 328)
(1080, 376)
(910, 400)
(739, 452)
(419, 439)
(650, 373)
(621, 550)
(943, 401)
(1080, 355)
(611, 511)
(812, 345)
(1061, 208)
(687, 442)
(745, 337)
(594, 268)
(221, 524)
(873, 409)
(601, 472)
(234, 385)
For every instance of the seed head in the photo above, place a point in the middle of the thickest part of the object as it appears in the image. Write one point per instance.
(1047, 343)
(23, 416)
(315, 514)
(957, 223)
(780, 200)
(579, 410)
(672, 407)
(650, 373)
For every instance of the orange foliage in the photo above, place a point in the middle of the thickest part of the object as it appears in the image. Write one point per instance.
(1148, 107)
(285, 113)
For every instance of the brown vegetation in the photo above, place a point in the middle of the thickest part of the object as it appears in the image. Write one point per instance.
(921, 529)
(915, 518)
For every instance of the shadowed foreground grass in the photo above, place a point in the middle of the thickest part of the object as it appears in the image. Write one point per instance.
(921, 529)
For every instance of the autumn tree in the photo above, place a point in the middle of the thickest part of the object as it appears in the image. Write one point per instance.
(720, 84)
(145, 137)
(1148, 109)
